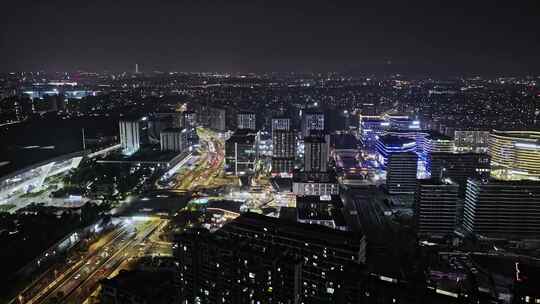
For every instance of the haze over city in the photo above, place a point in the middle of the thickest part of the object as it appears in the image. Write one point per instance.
(427, 37)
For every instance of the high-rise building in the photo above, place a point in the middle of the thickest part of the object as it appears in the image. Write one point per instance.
(312, 121)
(315, 154)
(499, 209)
(159, 122)
(459, 167)
(174, 139)
(515, 154)
(129, 136)
(246, 121)
(259, 259)
(388, 145)
(283, 151)
(435, 209)
(419, 136)
(426, 141)
(281, 124)
(283, 146)
(189, 122)
(316, 178)
(401, 173)
(241, 153)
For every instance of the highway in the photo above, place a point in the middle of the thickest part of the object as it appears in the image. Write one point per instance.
(77, 282)
(76, 279)
(209, 167)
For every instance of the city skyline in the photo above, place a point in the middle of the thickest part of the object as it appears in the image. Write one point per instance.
(269, 152)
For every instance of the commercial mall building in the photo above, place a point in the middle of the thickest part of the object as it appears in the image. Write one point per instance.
(515, 155)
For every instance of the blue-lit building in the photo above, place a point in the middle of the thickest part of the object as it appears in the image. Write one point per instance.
(388, 144)
(427, 142)
(418, 136)
(370, 129)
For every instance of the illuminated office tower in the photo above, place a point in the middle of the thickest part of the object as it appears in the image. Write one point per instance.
(515, 155)
(436, 143)
(129, 136)
(370, 128)
(315, 154)
(283, 146)
(500, 209)
(435, 207)
(401, 173)
(402, 122)
(388, 145)
(398, 156)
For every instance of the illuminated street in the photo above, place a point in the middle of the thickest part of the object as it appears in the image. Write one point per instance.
(76, 283)
(207, 172)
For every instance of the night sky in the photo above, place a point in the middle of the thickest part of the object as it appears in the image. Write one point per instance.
(433, 37)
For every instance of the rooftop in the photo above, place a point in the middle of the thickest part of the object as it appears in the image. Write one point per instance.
(497, 182)
(243, 136)
(389, 140)
(311, 234)
(437, 182)
(333, 199)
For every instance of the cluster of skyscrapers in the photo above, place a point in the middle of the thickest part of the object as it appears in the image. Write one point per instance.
(489, 191)
(174, 131)
(492, 192)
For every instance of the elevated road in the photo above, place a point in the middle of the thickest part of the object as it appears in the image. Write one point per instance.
(76, 283)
